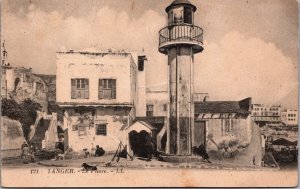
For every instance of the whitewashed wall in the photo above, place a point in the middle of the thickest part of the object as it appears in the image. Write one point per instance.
(94, 67)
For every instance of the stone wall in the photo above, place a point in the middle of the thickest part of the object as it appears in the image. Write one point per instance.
(12, 137)
(237, 135)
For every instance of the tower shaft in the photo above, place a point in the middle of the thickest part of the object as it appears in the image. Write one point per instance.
(180, 59)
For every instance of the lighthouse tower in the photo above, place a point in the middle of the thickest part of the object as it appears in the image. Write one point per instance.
(180, 40)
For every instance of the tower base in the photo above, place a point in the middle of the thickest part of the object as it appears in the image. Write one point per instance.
(180, 159)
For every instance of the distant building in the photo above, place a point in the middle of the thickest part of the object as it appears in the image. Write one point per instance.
(289, 117)
(266, 114)
(20, 83)
(50, 81)
(200, 97)
(156, 103)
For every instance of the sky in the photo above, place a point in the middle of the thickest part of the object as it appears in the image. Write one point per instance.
(250, 46)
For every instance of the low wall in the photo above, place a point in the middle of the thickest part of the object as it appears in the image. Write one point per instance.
(9, 153)
(11, 137)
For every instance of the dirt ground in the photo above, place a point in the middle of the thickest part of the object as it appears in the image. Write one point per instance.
(136, 163)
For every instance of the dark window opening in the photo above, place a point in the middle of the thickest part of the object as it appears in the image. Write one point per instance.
(101, 129)
(170, 17)
(188, 15)
(17, 81)
(149, 110)
(165, 107)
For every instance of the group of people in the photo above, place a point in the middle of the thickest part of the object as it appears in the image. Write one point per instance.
(28, 151)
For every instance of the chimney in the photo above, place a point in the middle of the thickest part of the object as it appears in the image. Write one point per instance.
(141, 60)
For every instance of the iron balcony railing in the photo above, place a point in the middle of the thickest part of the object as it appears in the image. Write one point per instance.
(184, 33)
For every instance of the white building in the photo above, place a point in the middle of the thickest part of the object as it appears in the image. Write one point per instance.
(98, 93)
(157, 103)
(289, 117)
(265, 113)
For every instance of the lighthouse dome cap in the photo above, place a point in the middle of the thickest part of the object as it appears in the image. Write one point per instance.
(180, 2)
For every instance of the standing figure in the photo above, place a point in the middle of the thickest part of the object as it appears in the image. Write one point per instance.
(60, 145)
(32, 151)
(149, 147)
(25, 152)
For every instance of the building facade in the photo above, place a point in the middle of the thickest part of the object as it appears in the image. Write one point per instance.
(266, 114)
(227, 131)
(289, 117)
(98, 94)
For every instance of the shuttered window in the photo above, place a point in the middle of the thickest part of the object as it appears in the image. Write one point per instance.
(79, 88)
(107, 89)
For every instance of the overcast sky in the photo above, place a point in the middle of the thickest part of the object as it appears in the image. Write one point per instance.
(250, 46)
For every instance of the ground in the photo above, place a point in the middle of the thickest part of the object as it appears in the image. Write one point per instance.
(138, 172)
(127, 163)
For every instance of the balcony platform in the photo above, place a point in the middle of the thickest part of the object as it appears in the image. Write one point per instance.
(184, 34)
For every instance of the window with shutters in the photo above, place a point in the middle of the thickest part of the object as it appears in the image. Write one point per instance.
(79, 88)
(107, 89)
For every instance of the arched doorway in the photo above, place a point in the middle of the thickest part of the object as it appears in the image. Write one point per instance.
(17, 81)
(137, 141)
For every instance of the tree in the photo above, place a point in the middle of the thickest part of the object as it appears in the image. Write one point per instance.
(25, 112)
(28, 114)
(10, 108)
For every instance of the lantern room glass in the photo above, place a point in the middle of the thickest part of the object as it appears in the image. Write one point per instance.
(180, 15)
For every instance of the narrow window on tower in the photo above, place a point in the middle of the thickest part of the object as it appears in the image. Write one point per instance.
(149, 110)
(165, 107)
(178, 15)
(188, 19)
(170, 17)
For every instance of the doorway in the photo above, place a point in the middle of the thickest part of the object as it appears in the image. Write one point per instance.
(199, 133)
(138, 142)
